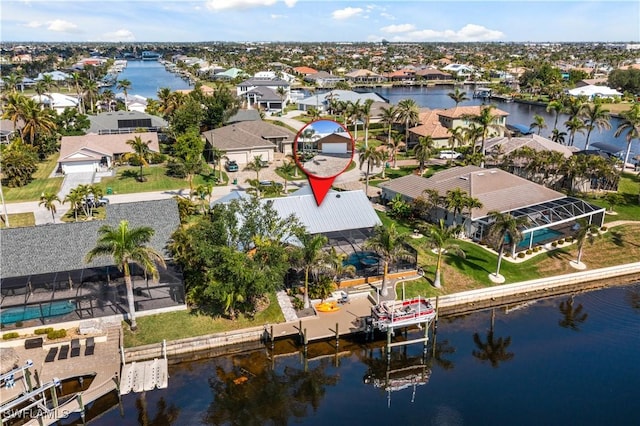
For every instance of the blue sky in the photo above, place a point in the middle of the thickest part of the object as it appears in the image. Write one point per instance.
(332, 21)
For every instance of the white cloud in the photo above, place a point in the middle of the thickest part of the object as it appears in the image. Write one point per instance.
(387, 15)
(346, 13)
(61, 26)
(468, 33)
(401, 28)
(119, 35)
(217, 5)
(275, 16)
(33, 24)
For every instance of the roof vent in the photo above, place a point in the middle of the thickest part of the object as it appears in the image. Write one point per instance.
(481, 174)
(337, 195)
(464, 177)
(493, 172)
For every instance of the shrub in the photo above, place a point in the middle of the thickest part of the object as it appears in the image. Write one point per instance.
(157, 158)
(561, 241)
(569, 239)
(604, 228)
(43, 330)
(297, 303)
(554, 244)
(56, 334)
(529, 251)
(11, 335)
(176, 169)
(18, 324)
(521, 255)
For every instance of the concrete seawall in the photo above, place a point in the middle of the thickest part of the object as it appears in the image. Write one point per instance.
(448, 305)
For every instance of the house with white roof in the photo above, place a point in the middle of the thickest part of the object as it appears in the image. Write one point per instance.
(592, 92)
(57, 101)
(321, 100)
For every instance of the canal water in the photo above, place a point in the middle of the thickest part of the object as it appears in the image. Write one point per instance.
(564, 360)
(147, 77)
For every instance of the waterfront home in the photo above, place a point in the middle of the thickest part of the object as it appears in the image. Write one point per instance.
(323, 79)
(242, 141)
(321, 101)
(592, 92)
(125, 122)
(304, 71)
(57, 101)
(460, 70)
(431, 74)
(550, 214)
(56, 76)
(364, 76)
(8, 130)
(436, 123)
(91, 152)
(498, 147)
(56, 272)
(263, 93)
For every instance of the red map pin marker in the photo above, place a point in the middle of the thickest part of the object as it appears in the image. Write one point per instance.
(323, 149)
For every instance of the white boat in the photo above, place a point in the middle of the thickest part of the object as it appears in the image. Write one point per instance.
(402, 313)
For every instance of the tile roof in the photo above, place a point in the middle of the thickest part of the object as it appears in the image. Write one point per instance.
(62, 246)
(495, 188)
(102, 145)
(247, 135)
(461, 111)
(535, 142)
(305, 70)
(430, 125)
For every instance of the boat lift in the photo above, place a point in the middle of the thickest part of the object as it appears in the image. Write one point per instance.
(36, 398)
(8, 379)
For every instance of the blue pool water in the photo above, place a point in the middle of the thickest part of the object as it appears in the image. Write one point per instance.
(360, 259)
(12, 315)
(538, 236)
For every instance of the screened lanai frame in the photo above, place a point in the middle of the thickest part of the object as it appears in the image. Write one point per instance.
(549, 215)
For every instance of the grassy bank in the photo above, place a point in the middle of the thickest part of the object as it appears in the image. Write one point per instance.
(155, 328)
(125, 181)
(41, 183)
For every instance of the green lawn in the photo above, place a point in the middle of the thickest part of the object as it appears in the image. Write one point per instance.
(41, 183)
(155, 328)
(629, 188)
(125, 181)
(17, 220)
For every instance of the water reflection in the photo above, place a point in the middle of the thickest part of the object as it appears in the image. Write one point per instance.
(166, 414)
(571, 315)
(494, 349)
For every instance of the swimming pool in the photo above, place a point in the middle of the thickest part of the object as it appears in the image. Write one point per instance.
(51, 309)
(539, 236)
(362, 259)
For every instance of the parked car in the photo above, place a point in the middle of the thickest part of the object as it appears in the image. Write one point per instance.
(269, 183)
(231, 166)
(93, 203)
(449, 155)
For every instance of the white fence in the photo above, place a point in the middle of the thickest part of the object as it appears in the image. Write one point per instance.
(537, 285)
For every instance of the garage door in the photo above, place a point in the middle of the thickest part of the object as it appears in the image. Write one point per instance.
(238, 157)
(79, 167)
(334, 148)
(266, 154)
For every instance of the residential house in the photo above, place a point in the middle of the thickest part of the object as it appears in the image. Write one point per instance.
(262, 93)
(323, 79)
(431, 74)
(242, 141)
(91, 152)
(335, 143)
(125, 122)
(57, 101)
(550, 214)
(321, 101)
(592, 92)
(363, 76)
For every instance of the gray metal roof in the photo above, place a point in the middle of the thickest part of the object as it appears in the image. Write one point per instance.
(339, 211)
(247, 135)
(62, 246)
(109, 120)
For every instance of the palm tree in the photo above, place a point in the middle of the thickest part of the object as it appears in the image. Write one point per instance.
(488, 123)
(282, 93)
(456, 200)
(595, 116)
(557, 107)
(288, 168)
(141, 152)
(255, 165)
(388, 118)
(407, 112)
(586, 232)
(504, 229)
(574, 125)
(558, 136)
(354, 110)
(124, 85)
(75, 198)
(538, 123)
(440, 238)
(396, 142)
(456, 136)
(630, 124)
(128, 245)
(311, 257)
(108, 97)
(422, 151)
(48, 199)
(458, 96)
(92, 90)
(389, 245)
(365, 109)
(373, 158)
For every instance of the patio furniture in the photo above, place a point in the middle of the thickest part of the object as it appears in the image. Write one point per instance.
(51, 355)
(33, 343)
(91, 346)
(75, 348)
(64, 352)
